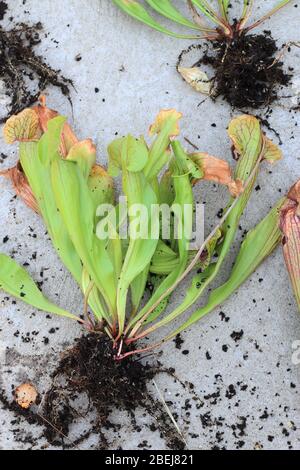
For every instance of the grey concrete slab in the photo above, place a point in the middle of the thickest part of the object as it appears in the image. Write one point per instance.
(249, 388)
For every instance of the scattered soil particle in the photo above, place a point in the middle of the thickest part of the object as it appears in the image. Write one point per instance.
(230, 392)
(178, 341)
(220, 213)
(237, 335)
(224, 317)
(20, 65)
(208, 356)
(242, 425)
(247, 73)
(213, 397)
(265, 414)
(2, 157)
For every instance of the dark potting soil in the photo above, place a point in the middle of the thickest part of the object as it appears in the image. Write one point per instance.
(89, 369)
(20, 65)
(246, 70)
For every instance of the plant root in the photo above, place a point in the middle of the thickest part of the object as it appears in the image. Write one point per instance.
(247, 74)
(20, 65)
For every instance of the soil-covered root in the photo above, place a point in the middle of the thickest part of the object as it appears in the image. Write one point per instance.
(90, 368)
(246, 70)
(20, 66)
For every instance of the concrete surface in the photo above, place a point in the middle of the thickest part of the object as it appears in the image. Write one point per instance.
(250, 387)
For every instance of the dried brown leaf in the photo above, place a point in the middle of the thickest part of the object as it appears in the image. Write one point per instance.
(21, 186)
(45, 114)
(217, 170)
(290, 227)
(272, 152)
(196, 78)
(26, 395)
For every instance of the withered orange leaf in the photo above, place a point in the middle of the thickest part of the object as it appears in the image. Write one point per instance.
(165, 115)
(217, 170)
(21, 186)
(290, 227)
(45, 114)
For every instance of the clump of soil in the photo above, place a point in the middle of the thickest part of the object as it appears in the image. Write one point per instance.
(3, 9)
(247, 72)
(89, 369)
(20, 65)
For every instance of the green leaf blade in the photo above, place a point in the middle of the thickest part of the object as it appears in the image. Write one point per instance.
(165, 8)
(259, 243)
(16, 281)
(78, 213)
(138, 12)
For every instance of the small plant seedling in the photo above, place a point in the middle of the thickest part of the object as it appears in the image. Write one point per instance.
(246, 71)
